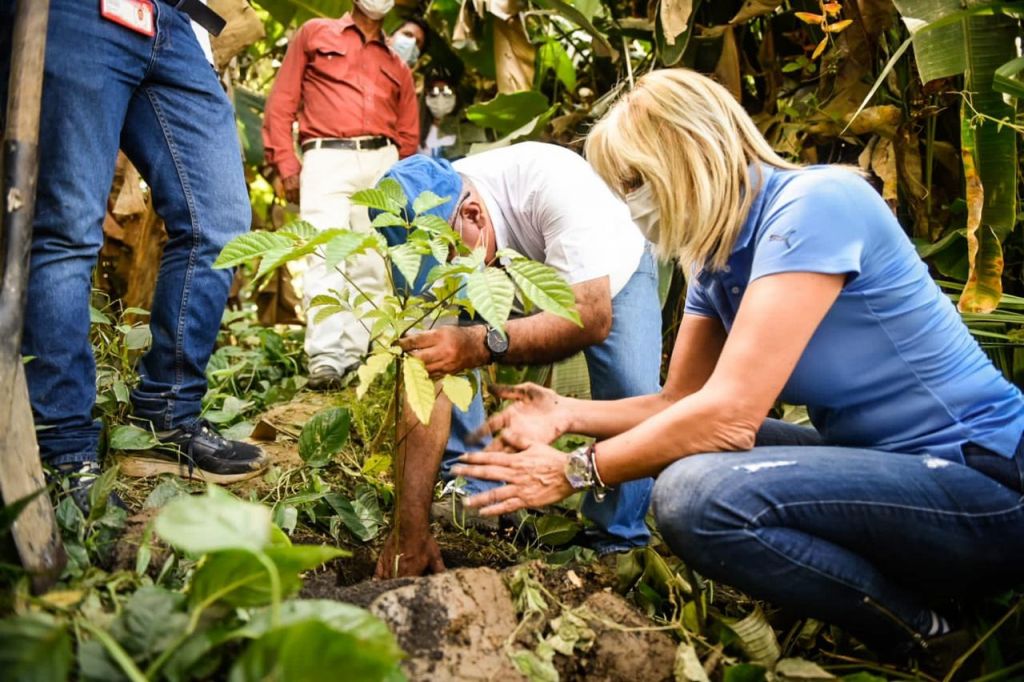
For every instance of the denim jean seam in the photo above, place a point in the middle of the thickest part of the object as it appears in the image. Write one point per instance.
(924, 511)
(179, 340)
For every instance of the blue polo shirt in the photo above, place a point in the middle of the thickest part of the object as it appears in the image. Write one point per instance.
(892, 366)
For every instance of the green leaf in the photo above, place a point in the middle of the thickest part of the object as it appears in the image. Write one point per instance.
(349, 243)
(213, 522)
(491, 293)
(287, 653)
(428, 200)
(237, 578)
(367, 508)
(128, 437)
(325, 311)
(1007, 78)
(388, 220)
(458, 389)
(97, 317)
(9, 512)
(99, 493)
(300, 229)
(164, 492)
(323, 436)
(152, 619)
(687, 666)
(138, 338)
(545, 288)
(745, 672)
(34, 648)
(324, 299)
(435, 225)
(419, 389)
(601, 45)
(374, 366)
(386, 196)
(275, 258)
(553, 57)
(553, 529)
(248, 246)
(406, 258)
(792, 669)
(508, 111)
(345, 510)
(757, 639)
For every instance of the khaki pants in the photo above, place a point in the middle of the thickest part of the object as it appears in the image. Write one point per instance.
(329, 178)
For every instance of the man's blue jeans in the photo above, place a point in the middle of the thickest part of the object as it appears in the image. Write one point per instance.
(159, 100)
(626, 364)
(860, 538)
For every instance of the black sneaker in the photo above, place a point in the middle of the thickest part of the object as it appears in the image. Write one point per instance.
(77, 479)
(197, 451)
(330, 379)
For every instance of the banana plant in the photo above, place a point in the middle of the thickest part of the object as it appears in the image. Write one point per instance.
(978, 40)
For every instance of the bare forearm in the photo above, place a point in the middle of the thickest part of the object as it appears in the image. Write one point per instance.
(543, 338)
(607, 418)
(702, 422)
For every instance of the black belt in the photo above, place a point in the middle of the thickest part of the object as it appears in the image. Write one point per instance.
(201, 14)
(346, 143)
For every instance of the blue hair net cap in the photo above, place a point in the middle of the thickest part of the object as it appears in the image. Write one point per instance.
(420, 173)
(417, 174)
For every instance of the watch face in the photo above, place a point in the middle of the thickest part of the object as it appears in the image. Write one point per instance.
(496, 343)
(576, 471)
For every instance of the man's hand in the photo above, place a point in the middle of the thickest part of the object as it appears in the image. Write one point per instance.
(536, 415)
(291, 188)
(417, 554)
(533, 478)
(448, 350)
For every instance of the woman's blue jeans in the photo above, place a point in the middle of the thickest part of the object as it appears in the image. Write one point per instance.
(861, 538)
(107, 87)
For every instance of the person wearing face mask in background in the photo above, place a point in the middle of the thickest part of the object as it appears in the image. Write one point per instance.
(410, 40)
(547, 203)
(443, 133)
(355, 103)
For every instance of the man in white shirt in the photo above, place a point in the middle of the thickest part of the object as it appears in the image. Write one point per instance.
(547, 203)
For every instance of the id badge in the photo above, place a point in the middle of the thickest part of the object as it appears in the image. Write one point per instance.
(134, 14)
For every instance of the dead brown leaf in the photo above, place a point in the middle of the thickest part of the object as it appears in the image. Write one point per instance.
(675, 17)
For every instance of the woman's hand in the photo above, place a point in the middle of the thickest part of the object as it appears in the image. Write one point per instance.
(533, 478)
(536, 415)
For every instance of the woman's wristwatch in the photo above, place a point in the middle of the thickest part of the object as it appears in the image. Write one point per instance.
(581, 472)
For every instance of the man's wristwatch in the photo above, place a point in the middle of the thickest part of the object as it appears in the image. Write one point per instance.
(496, 343)
(581, 472)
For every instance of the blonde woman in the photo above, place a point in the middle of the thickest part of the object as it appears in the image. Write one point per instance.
(802, 287)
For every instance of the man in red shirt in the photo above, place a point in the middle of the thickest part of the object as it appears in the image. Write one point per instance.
(355, 103)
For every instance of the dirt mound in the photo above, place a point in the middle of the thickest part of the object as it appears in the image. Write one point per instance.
(463, 625)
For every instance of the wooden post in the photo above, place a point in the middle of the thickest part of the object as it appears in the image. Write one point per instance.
(21, 474)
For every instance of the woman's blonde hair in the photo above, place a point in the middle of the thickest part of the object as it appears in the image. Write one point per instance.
(692, 141)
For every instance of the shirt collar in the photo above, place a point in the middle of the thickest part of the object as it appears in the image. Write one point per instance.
(346, 21)
(746, 233)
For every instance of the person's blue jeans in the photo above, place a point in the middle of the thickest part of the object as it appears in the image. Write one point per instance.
(861, 538)
(625, 364)
(160, 101)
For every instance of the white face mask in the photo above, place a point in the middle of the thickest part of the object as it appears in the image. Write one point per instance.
(441, 104)
(375, 9)
(645, 212)
(406, 48)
